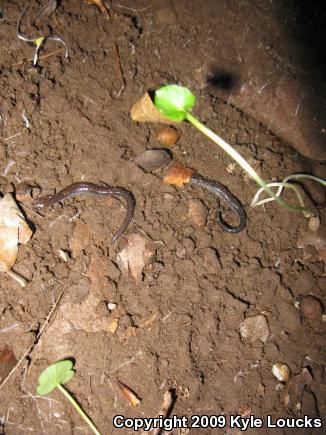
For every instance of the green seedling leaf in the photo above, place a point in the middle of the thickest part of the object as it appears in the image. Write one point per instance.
(38, 41)
(174, 101)
(54, 375)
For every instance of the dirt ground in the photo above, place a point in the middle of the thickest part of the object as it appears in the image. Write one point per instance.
(178, 328)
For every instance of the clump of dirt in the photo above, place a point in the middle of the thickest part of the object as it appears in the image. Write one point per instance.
(178, 326)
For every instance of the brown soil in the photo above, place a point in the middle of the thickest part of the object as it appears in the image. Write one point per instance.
(179, 328)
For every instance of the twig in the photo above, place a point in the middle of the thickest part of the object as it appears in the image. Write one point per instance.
(14, 275)
(43, 56)
(13, 136)
(32, 347)
(163, 412)
(129, 361)
(119, 68)
(31, 210)
(167, 403)
(132, 9)
(118, 59)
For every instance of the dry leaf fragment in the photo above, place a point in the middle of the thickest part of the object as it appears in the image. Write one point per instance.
(13, 230)
(291, 395)
(145, 111)
(131, 396)
(178, 175)
(147, 323)
(7, 362)
(244, 411)
(151, 160)
(138, 252)
(113, 326)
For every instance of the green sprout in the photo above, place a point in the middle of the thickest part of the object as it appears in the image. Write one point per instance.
(174, 102)
(53, 377)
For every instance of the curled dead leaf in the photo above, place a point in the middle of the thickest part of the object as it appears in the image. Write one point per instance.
(138, 252)
(150, 160)
(178, 175)
(131, 396)
(13, 230)
(145, 111)
(291, 395)
(7, 362)
(113, 326)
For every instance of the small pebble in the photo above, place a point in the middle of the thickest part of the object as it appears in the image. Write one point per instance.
(255, 328)
(168, 136)
(63, 255)
(281, 371)
(197, 212)
(112, 306)
(151, 160)
(311, 308)
(314, 223)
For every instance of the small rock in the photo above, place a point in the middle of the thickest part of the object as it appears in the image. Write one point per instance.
(255, 328)
(168, 136)
(23, 192)
(150, 160)
(314, 223)
(138, 252)
(311, 308)
(197, 212)
(281, 371)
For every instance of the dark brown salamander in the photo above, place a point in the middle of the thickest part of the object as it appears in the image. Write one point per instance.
(84, 188)
(222, 192)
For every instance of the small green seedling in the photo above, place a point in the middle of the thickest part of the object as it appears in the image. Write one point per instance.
(53, 377)
(174, 102)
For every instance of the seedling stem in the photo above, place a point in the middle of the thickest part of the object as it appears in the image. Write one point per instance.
(78, 409)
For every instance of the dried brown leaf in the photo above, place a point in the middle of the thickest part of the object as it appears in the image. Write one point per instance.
(13, 230)
(7, 362)
(131, 396)
(178, 175)
(145, 111)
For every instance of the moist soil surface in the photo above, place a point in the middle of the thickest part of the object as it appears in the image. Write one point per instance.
(178, 327)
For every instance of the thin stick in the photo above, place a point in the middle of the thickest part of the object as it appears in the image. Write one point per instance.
(17, 277)
(119, 68)
(167, 403)
(31, 210)
(118, 59)
(43, 56)
(31, 348)
(163, 412)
